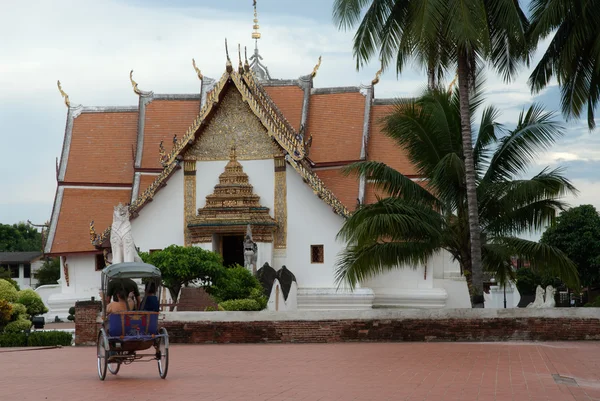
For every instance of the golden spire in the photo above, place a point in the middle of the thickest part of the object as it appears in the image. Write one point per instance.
(228, 65)
(232, 155)
(246, 65)
(314, 72)
(63, 94)
(134, 84)
(240, 67)
(375, 80)
(255, 34)
(200, 76)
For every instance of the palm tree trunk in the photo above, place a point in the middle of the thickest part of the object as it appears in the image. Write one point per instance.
(465, 123)
(431, 77)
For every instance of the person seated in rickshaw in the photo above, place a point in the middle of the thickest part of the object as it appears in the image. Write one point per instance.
(123, 303)
(123, 283)
(150, 302)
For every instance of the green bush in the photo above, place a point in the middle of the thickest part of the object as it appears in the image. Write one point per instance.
(527, 281)
(236, 283)
(594, 304)
(71, 316)
(32, 301)
(50, 338)
(5, 275)
(7, 291)
(6, 311)
(258, 295)
(13, 340)
(18, 311)
(18, 326)
(241, 305)
(36, 339)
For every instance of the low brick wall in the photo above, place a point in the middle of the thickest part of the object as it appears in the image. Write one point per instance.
(86, 327)
(558, 324)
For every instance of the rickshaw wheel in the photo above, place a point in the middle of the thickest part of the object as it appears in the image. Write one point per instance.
(163, 350)
(102, 352)
(114, 367)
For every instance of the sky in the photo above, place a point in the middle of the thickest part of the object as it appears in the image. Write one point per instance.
(90, 46)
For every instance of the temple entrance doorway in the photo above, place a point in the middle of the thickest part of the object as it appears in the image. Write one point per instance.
(232, 250)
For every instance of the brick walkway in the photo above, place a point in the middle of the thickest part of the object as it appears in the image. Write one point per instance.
(346, 371)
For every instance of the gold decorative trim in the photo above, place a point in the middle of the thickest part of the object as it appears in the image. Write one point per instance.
(280, 207)
(189, 196)
(63, 94)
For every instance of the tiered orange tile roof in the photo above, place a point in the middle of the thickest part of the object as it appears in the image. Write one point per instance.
(101, 148)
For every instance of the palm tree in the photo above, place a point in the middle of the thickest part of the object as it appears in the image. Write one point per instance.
(415, 221)
(573, 56)
(439, 33)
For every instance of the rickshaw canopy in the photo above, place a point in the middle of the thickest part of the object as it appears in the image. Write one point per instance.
(131, 270)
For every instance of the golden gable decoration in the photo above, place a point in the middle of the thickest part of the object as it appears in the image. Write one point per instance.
(231, 207)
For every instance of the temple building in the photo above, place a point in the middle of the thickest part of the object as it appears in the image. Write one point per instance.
(243, 149)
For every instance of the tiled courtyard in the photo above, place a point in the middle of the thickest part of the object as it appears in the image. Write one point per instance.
(346, 371)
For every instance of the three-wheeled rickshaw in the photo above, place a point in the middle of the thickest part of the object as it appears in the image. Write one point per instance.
(125, 335)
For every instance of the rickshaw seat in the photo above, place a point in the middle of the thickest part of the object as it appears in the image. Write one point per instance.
(133, 325)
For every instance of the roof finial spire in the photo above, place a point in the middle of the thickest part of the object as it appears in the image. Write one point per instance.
(240, 66)
(255, 34)
(246, 65)
(63, 94)
(228, 65)
(200, 76)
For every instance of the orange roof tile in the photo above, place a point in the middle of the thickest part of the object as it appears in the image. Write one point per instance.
(371, 193)
(335, 122)
(345, 188)
(164, 119)
(145, 181)
(101, 148)
(289, 101)
(382, 148)
(78, 208)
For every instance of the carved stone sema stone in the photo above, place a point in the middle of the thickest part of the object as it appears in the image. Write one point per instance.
(285, 278)
(266, 275)
(231, 207)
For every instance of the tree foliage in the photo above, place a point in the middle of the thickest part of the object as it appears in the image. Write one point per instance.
(32, 301)
(5, 275)
(413, 222)
(19, 237)
(577, 233)
(180, 265)
(573, 56)
(236, 283)
(49, 272)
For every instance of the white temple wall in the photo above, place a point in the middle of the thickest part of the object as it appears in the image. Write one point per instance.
(261, 175)
(310, 222)
(84, 280)
(160, 222)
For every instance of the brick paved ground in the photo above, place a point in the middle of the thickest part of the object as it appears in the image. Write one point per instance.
(344, 371)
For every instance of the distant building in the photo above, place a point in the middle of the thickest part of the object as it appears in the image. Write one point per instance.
(22, 265)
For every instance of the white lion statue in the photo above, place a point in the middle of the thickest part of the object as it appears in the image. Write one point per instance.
(550, 301)
(121, 240)
(539, 302)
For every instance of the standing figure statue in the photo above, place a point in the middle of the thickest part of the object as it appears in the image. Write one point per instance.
(250, 252)
(121, 239)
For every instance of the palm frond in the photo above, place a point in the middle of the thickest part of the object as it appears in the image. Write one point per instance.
(392, 182)
(496, 259)
(536, 131)
(392, 219)
(543, 258)
(359, 263)
(488, 128)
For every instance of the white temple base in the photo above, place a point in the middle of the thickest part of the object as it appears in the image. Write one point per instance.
(410, 298)
(59, 304)
(334, 299)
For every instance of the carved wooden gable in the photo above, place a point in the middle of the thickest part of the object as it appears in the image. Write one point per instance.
(233, 122)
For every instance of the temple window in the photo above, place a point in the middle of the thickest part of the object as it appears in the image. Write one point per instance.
(316, 254)
(27, 270)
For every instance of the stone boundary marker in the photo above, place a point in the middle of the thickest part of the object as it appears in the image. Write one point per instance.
(376, 325)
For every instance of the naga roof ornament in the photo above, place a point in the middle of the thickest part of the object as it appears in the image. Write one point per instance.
(314, 71)
(375, 80)
(63, 94)
(200, 76)
(228, 65)
(134, 85)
